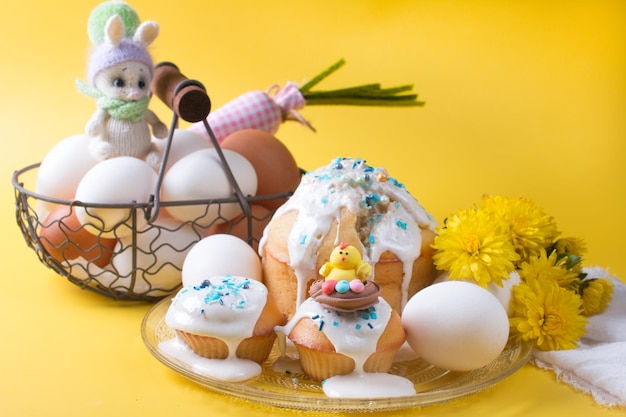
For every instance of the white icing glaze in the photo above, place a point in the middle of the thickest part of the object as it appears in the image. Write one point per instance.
(367, 385)
(231, 369)
(352, 334)
(356, 336)
(226, 308)
(389, 217)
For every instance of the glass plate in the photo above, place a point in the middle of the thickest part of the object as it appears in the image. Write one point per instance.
(432, 385)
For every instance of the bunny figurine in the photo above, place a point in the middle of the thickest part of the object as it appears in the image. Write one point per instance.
(120, 71)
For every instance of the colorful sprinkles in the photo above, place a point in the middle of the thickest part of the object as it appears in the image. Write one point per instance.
(373, 204)
(358, 319)
(216, 292)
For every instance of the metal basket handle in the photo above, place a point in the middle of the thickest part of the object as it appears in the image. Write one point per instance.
(188, 100)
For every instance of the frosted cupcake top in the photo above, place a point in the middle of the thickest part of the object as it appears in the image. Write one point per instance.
(224, 307)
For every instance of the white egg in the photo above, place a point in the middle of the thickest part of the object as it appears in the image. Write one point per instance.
(160, 251)
(123, 180)
(220, 255)
(184, 142)
(201, 176)
(503, 293)
(456, 325)
(63, 167)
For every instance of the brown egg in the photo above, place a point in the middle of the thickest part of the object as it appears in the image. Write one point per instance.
(65, 239)
(239, 227)
(275, 166)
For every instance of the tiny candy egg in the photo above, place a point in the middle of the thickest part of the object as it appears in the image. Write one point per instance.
(220, 255)
(342, 286)
(456, 325)
(201, 175)
(357, 286)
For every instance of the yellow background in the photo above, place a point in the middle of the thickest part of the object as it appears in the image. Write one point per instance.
(523, 98)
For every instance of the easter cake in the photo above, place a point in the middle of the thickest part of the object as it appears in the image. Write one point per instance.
(352, 202)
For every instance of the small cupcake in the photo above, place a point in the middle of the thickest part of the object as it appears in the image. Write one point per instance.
(345, 326)
(226, 317)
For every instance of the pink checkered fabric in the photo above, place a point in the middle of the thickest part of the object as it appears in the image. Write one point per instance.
(252, 110)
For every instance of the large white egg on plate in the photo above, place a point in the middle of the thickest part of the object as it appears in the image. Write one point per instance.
(63, 167)
(504, 292)
(456, 325)
(157, 253)
(201, 175)
(183, 143)
(220, 255)
(121, 181)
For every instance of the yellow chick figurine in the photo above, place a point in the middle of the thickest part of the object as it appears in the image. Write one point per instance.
(345, 263)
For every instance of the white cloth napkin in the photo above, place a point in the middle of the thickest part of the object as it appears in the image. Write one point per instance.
(598, 365)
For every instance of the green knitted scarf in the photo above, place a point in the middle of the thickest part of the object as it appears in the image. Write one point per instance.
(133, 110)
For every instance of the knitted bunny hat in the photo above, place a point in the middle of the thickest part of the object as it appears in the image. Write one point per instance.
(105, 56)
(118, 17)
(102, 12)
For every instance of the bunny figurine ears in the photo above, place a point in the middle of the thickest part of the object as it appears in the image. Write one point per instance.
(118, 36)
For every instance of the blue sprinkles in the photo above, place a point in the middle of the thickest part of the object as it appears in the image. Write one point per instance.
(357, 320)
(216, 292)
(402, 225)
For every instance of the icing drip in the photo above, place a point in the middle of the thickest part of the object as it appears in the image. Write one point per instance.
(366, 385)
(231, 369)
(355, 335)
(389, 218)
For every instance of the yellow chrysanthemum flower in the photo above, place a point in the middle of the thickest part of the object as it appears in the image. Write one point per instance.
(531, 229)
(548, 268)
(548, 314)
(474, 245)
(596, 294)
(571, 246)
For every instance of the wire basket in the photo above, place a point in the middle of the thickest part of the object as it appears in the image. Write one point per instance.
(149, 253)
